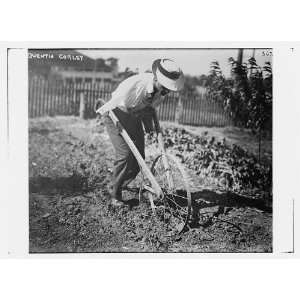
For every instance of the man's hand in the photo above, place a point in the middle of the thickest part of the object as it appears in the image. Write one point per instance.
(119, 126)
(156, 122)
(98, 104)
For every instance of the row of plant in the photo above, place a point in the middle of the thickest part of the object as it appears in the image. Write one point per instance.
(228, 166)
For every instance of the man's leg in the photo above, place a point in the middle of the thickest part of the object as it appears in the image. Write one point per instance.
(125, 167)
(121, 154)
(133, 127)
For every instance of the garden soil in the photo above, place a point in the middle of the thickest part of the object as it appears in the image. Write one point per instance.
(70, 173)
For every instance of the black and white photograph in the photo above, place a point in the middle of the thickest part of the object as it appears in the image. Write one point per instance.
(148, 150)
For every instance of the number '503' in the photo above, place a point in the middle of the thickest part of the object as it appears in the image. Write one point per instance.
(267, 53)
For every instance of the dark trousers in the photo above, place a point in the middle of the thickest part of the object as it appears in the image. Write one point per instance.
(126, 166)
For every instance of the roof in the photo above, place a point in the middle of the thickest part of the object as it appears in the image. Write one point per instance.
(41, 60)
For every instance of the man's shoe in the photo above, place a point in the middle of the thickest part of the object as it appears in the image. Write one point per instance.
(117, 203)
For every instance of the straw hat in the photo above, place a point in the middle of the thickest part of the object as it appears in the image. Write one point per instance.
(168, 74)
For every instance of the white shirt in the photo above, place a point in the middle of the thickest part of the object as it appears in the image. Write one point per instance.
(134, 94)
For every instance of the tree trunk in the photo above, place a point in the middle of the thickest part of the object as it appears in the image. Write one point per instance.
(240, 56)
(259, 145)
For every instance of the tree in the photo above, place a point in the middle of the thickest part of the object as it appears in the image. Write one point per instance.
(247, 95)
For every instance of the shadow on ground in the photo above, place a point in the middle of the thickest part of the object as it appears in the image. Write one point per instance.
(74, 184)
(209, 198)
(221, 203)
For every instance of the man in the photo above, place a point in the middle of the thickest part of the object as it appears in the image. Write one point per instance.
(135, 98)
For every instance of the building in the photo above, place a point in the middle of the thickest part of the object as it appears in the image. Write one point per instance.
(71, 66)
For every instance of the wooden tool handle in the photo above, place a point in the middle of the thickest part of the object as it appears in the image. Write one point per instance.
(137, 155)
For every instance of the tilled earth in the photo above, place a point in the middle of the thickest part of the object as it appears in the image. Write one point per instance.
(70, 170)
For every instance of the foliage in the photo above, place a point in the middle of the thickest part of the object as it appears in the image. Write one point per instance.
(246, 95)
(219, 164)
(192, 81)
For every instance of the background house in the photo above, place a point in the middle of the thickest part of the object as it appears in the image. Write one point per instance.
(72, 66)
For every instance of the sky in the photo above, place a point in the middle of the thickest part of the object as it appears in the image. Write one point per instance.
(191, 61)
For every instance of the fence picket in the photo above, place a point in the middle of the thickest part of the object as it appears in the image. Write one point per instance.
(67, 95)
(190, 111)
(187, 107)
(210, 113)
(184, 110)
(52, 98)
(56, 99)
(41, 97)
(34, 95)
(69, 98)
(61, 97)
(194, 110)
(38, 87)
(30, 100)
(49, 95)
(200, 107)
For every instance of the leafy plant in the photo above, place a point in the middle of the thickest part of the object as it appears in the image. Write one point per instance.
(246, 95)
(229, 167)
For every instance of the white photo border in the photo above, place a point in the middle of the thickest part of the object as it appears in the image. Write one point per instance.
(14, 215)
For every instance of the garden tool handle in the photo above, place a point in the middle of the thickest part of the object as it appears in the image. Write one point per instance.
(162, 149)
(136, 154)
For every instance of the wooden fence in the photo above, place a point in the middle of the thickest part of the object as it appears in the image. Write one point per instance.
(57, 98)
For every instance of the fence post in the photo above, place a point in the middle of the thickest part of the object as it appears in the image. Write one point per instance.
(179, 111)
(82, 106)
(72, 109)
